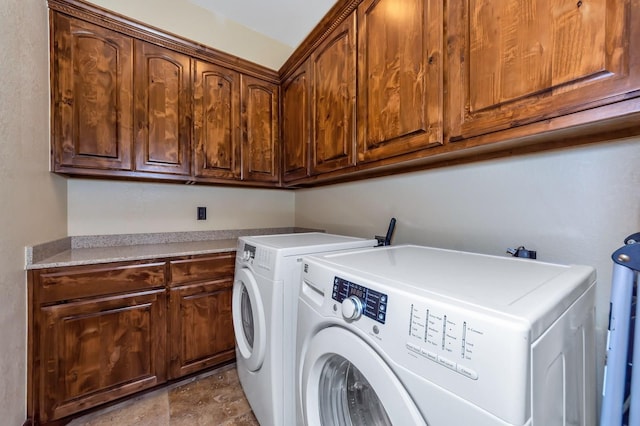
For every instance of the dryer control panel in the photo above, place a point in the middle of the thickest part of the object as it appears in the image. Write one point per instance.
(374, 303)
(248, 252)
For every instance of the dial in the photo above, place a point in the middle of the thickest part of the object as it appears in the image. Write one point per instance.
(351, 308)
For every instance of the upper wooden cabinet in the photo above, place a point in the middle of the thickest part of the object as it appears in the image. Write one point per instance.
(260, 131)
(514, 63)
(162, 109)
(129, 101)
(216, 121)
(92, 99)
(333, 85)
(378, 86)
(296, 123)
(399, 77)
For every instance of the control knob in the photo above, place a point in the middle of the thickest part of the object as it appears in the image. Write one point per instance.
(351, 308)
(246, 255)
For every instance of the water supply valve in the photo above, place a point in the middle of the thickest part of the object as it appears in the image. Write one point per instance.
(386, 240)
(522, 252)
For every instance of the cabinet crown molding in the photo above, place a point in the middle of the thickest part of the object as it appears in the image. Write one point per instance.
(335, 17)
(122, 24)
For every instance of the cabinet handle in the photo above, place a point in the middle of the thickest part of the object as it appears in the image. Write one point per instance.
(74, 376)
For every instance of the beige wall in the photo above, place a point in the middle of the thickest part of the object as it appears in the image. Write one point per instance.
(104, 207)
(572, 206)
(195, 23)
(33, 206)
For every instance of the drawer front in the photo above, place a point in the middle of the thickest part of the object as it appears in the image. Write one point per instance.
(97, 280)
(204, 268)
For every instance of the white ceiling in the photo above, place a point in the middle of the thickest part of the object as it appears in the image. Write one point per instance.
(287, 21)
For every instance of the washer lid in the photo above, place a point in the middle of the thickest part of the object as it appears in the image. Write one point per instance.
(308, 242)
(518, 287)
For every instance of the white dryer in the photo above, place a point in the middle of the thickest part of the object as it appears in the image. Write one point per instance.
(411, 335)
(265, 292)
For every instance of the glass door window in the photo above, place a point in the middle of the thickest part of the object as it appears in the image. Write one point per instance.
(249, 322)
(347, 398)
(344, 382)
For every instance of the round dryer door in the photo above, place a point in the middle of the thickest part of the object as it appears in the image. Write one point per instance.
(248, 319)
(345, 382)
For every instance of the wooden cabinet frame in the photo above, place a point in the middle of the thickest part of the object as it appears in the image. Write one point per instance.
(76, 373)
(296, 124)
(216, 122)
(98, 333)
(333, 103)
(400, 77)
(159, 138)
(507, 72)
(162, 113)
(470, 106)
(92, 96)
(260, 106)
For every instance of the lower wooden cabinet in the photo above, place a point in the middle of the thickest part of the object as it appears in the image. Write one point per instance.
(98, 333)
(97, 350)
(200, 321)
(201, 326)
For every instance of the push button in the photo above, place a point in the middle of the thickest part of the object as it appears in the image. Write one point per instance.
(467, 372)
(447, 362)
(413, 348)
(430, 355)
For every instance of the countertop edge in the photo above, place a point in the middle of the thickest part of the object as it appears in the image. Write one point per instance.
(87, 250)
(101, 260)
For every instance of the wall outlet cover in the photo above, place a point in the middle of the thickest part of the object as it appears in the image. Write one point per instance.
(202, 213)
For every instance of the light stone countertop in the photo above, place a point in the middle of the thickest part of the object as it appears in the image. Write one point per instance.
(86, 250)
(87, 256)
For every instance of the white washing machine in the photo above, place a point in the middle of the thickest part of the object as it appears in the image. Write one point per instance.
(410, 335)
(265, 292)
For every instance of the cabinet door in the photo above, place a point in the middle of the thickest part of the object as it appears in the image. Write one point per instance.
(92, 79)
(515, 62)
(200, 322)
(201, 326)
(399, 77)
(162, 109)
(296, 109)
(216, 121)
(96, 350)
(260, 141)
(333, 76)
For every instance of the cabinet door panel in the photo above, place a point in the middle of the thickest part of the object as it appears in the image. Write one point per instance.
(162, 110)
(92, 96)
(201, 326)
(514, 62)
(217, 121)
(296, 108)
(97, 350)
(333, 85)
(399, 77)
(260, 141)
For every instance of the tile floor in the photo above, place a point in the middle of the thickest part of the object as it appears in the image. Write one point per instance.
(213, 398)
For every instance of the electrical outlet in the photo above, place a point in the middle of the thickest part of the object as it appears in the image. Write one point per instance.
(202, 213)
